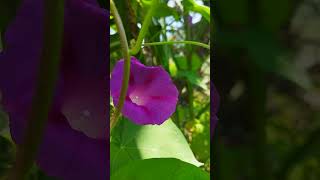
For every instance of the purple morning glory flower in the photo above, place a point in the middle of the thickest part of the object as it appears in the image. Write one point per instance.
(75, 141)
(151, 98)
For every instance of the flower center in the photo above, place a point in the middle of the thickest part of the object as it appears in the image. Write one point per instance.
(136, 99)
(85, 112)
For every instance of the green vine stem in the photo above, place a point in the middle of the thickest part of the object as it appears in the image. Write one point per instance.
(194, 6)
(146, 23)
(48, 73)
(188, 54)
(178, 42)
(203, 10)
(126, 72)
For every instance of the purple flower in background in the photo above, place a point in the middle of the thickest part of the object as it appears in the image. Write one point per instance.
(214, 108)
(75, 141)
(151, 98)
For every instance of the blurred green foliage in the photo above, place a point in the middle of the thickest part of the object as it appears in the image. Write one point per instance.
(268, 80)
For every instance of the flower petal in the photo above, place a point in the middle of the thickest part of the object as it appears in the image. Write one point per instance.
(83, 82)
(151, 97)
(19, 61)
(66, 153)
(85, 106)
(71, 154)
(85, 65)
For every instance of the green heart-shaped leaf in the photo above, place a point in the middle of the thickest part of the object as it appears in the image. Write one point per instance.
(131, 142)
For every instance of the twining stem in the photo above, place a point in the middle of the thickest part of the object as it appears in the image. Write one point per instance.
(126, 72)
(41, 104)
(188, 53)
(203, 10)
(257, 94)
(145, 26)
(177, 42)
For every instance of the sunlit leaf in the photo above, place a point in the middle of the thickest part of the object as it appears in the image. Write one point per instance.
(133, 142)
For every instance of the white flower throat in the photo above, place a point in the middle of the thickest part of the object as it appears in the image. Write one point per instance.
(136, 99)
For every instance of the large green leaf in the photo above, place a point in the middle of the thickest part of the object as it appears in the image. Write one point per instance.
(160, 169)
(131, 142)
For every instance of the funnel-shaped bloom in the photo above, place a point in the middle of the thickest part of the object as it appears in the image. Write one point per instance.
(151, 98)
(74, 146)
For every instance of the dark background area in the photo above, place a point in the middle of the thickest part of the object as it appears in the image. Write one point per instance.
(266, 67)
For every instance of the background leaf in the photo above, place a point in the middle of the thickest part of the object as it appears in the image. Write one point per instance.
(267, 54)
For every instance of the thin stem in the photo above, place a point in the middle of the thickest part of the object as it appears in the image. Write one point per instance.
(126, 72)
(114, 44)
(203, 10)
(257, 90)
(189, 63)
(178, 42)
(145, 26)
(48, 73)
